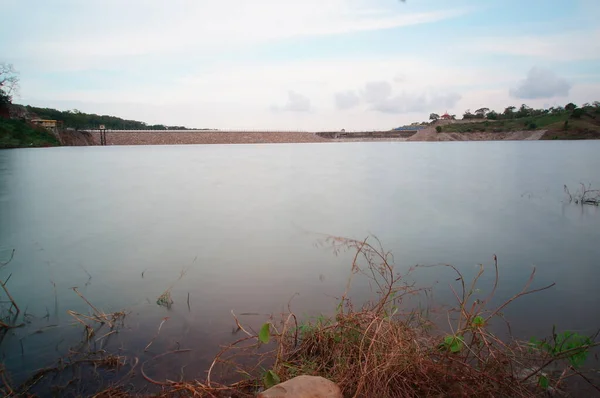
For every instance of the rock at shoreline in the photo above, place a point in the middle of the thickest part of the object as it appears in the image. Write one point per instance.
(304, 387)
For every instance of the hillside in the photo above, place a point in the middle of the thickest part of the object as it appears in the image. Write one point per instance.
(578, 123)
(20, 134)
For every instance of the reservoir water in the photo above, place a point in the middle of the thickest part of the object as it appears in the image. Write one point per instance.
(244, 223)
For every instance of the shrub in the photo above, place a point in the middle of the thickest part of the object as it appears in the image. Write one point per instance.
(532, 126)
(438, 129)
(578, 113)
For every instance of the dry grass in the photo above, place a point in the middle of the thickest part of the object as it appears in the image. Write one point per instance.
(97, 319)
(378, 350)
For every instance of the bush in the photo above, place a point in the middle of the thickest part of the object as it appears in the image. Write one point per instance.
(532, 126)
(438, 129)
(578, 113)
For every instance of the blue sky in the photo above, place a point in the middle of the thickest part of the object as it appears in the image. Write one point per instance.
(311, 65)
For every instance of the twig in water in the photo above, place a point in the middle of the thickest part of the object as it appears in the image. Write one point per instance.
(188, 302)
(160, 383)
(87, 283)
(14, 304)
(84, 270)
(7, 326)
(157, 333)
(240, 327)
(96, 311)
(12, 254)
(106, 335)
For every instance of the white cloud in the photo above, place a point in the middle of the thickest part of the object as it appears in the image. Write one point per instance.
(376, 92)
(295, 103)
(379, 96)
(568, 46)
(116, 30)
(541, 83)
(417, 102)
(346, 99)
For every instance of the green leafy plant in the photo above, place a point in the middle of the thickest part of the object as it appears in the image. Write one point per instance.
(264, 335)
(566, 345)
(453, 343)
(478, 322)
(270, 378)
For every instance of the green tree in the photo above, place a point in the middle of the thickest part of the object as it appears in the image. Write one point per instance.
(570, 107)
(509, 112)
(492, 115)
(524, 111)
(434, 116)
(468, 114)
(481, 112)
(9, 83)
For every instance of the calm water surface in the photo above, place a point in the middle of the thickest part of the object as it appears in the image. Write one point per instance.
(244, 219)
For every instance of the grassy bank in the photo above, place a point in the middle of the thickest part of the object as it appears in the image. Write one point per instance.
(384, 348)
(583, 124)
(20, 134)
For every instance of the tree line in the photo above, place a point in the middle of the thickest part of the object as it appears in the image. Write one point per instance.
(80, 120)
(512, 112)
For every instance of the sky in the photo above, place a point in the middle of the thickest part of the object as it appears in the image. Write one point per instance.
(300, 65)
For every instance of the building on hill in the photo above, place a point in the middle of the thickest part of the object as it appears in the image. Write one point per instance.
(446, 116)
(50, 124)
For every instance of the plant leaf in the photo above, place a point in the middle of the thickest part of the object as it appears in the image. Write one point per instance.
(478, 321)
(271, 378)
(264, 335)
(453, 343)
(543, 382)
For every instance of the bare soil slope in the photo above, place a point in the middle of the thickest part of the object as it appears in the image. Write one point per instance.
(430, 134)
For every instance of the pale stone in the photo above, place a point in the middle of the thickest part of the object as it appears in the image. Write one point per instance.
(304, 387)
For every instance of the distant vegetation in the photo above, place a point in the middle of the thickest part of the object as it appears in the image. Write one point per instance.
(16, 133)
(20, 134)
(570, 121)
(80, 120)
